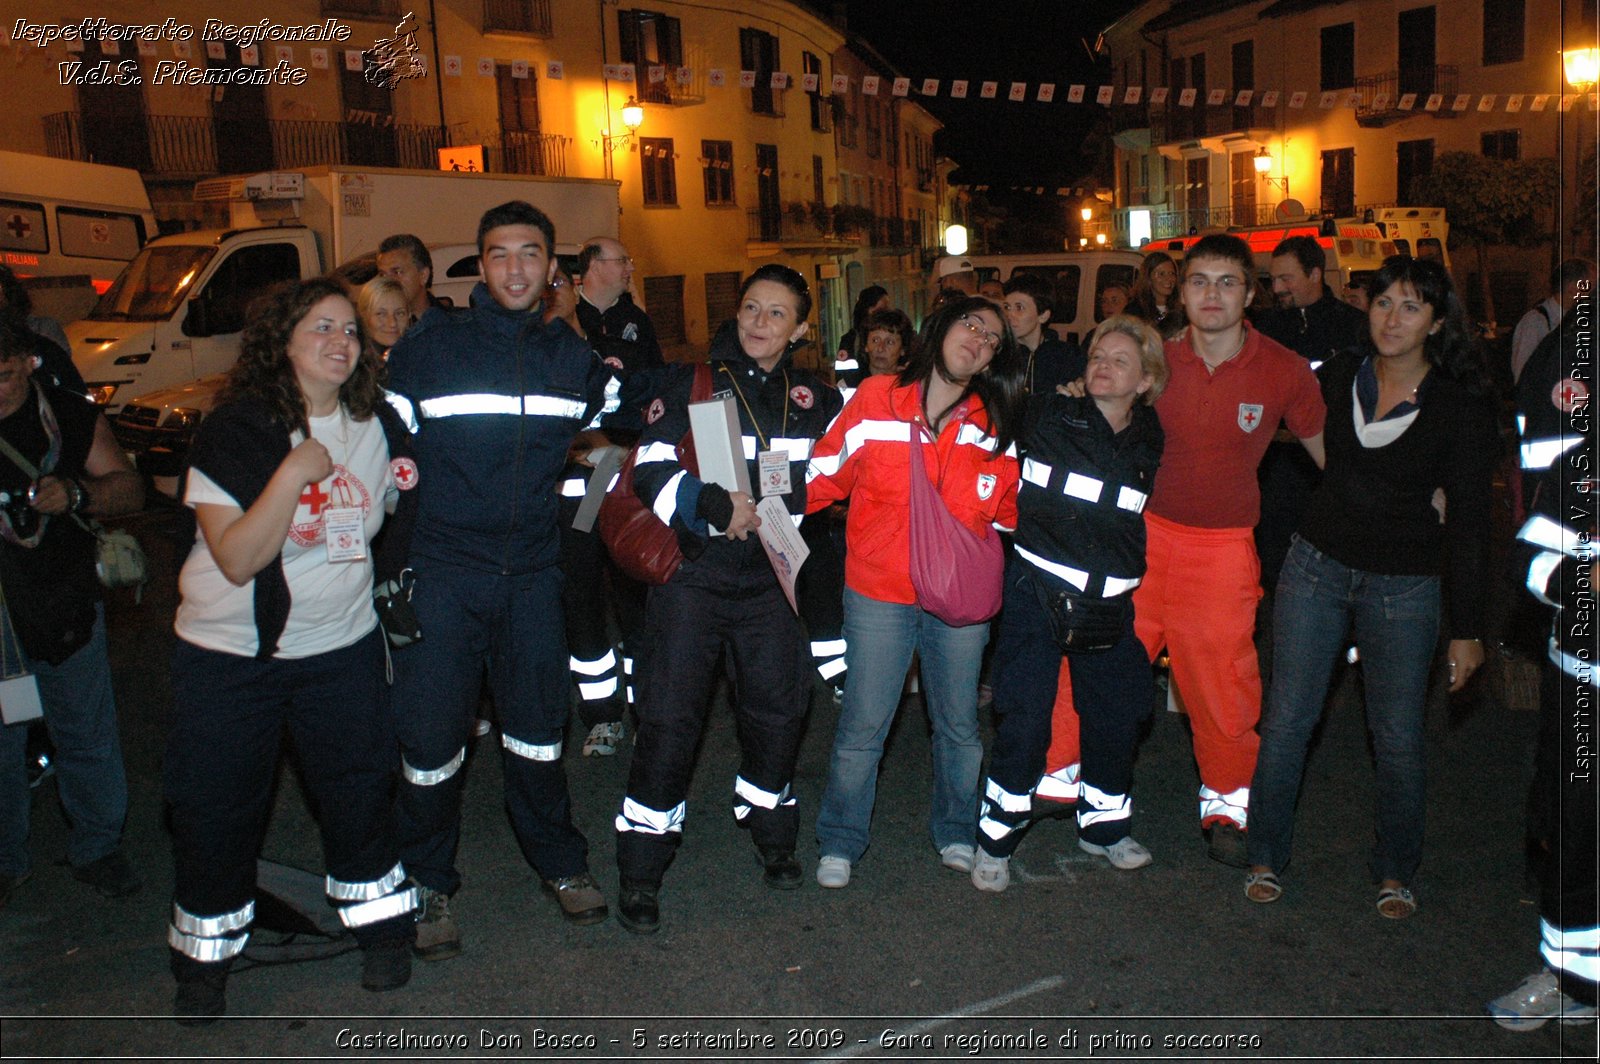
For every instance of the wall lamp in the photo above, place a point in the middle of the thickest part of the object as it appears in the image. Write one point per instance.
(1263, 164)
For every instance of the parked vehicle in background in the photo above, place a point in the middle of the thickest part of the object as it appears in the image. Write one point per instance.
(67, 229)
(175, 313)
(1076, 279)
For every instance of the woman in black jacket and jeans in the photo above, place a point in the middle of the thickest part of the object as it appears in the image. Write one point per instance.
(1088, 466)
(1407, 415)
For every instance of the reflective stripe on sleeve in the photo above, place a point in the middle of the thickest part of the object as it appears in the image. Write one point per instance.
(371, 912)
(1036, 473)
(1131, 499)
(572, 488)
(433, 776)
(533, 404)
(342, 890)
(212, 926)
(1543, 532)
(666, 504)
(1540, 570)
(829, 669)
(973, 436)
(1116, 585)
(532, 751)
(827, 648)
(403, 407)
(636, 816)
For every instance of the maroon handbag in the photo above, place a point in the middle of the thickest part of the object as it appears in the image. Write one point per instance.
(640, 542)
(957, 574)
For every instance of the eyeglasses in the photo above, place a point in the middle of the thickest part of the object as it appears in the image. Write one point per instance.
(558, 282)
(1199, 282)
(990, 340)
(626, 258)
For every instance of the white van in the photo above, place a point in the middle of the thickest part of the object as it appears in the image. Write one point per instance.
(1076, 278)
(68, 228)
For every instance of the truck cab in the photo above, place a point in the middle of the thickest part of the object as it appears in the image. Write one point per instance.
(176, 312)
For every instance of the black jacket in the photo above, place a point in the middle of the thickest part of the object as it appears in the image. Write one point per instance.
(1083, 491)
(498, 395)
(791, 407)
(1317, 332)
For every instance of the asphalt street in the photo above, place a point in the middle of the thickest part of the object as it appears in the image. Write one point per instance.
(908, 962)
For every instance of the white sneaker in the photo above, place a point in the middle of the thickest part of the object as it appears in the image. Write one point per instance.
(991, 874)
(604, 739)
(1537, 1001)
(957, 856)
(833, 873)
(1124, 853)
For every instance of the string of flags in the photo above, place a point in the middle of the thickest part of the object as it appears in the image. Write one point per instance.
(320, 58)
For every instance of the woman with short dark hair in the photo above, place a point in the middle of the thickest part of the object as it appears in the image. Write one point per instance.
(1408, 415)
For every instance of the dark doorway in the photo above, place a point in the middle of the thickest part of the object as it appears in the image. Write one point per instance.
(239, 122)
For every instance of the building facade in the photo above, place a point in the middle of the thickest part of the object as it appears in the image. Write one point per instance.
(1350, 100)
(736, 161)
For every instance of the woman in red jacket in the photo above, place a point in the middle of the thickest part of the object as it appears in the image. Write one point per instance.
(960, 397)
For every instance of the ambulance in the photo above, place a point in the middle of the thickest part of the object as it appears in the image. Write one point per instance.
(67, 228)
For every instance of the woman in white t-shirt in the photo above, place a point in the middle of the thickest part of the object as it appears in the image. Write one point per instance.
(289, 481)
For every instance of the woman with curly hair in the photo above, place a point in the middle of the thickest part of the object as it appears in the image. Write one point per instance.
(290, 478)
(1408, 415)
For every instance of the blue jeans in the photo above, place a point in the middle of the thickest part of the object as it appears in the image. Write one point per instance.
(880, 638)
(81, 715)
(1395, 622)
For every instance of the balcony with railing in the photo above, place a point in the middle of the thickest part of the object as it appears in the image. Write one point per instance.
(517, 16)
(189, 147)
(1378, 95)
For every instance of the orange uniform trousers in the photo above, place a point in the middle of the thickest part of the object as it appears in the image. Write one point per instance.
(1198, 600)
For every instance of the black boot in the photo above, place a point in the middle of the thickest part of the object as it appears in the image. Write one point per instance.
(637, 908)
(202, 989)
(782, 870)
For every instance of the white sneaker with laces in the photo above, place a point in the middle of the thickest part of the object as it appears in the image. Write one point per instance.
(1124, 853)
(957, 856)
(991, 874)
(604, 738)
(833, 873)
(1537, 1001)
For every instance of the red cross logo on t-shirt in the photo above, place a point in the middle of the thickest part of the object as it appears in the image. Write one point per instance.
(1249, 416)
(315, 498)
(1569, 394)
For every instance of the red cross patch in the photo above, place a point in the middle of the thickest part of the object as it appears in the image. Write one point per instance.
(654, 414)
(1250, 416)
(1569, 394)
(404, 471)
(802, 396)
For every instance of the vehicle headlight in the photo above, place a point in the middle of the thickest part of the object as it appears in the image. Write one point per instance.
(101, 393)
(183, 418)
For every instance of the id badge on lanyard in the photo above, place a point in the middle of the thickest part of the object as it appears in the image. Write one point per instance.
(345, 534)
(773, 468)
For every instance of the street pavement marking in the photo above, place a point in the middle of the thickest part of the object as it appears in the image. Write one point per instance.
(979, 1008)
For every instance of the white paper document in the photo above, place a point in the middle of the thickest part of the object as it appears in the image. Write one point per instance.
(785, 549)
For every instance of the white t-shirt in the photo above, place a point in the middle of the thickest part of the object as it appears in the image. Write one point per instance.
(330, 602)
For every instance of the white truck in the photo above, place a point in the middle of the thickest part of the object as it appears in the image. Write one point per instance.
(68, 228)
(175, 313)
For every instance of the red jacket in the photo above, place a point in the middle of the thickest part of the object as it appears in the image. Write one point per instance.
(863, 457)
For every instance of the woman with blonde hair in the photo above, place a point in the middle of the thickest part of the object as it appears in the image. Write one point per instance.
(1088, 464)
(381, 302)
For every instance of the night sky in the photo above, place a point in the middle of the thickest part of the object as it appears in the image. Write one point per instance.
(998, 142)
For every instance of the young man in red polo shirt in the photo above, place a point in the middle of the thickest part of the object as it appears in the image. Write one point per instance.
(1230, 388)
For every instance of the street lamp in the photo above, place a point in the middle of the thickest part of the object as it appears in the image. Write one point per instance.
(1263, 165)
(632, 119)
(1582, 68)
(1086, 213)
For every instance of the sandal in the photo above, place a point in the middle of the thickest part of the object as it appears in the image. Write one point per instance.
(1262, 887)
(1396, 903)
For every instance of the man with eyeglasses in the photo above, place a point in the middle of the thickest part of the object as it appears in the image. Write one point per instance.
(1229, 389)
(625, 339)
